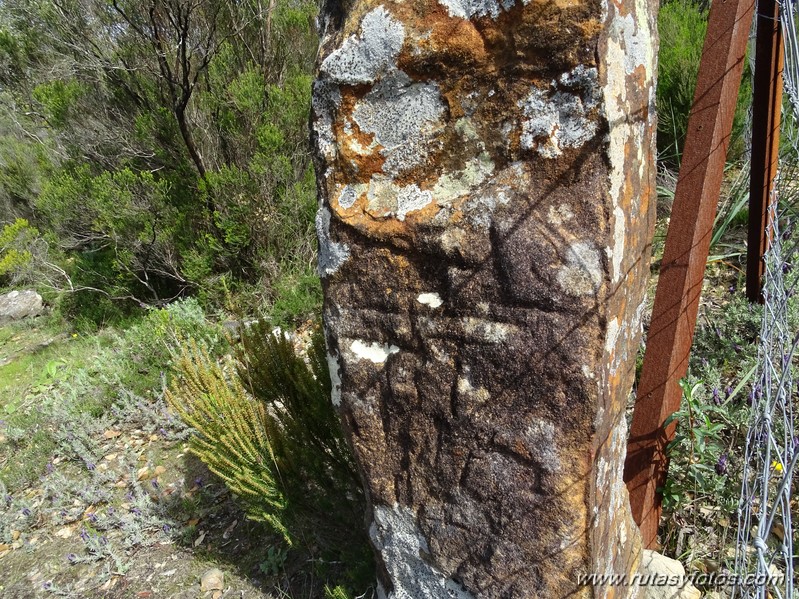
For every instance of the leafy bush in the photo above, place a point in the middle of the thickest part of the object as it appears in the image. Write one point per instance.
(266, 426)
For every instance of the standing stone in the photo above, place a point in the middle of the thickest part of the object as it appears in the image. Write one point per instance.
(486, 176)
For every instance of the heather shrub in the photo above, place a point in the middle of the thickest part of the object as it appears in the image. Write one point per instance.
(266, 426)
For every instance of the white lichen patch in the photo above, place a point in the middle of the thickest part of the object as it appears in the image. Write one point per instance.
(402, 545)
(366, 57)
(325, 101)
(335, 379)
(376, 353)
(561, 117)
(582, 272)
(403, 117)
(410, 198)
(638, 49)
(612, 336)
(331, 254)
(430, 299)
(385, 198)
(467, 9)
(465, 387)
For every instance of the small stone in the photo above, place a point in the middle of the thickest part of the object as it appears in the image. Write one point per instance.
(212, 580)
(200, 538)
(655, 565)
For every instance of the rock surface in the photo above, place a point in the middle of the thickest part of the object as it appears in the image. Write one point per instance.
(486, 177)
(17, 305)
(656, 566)
(212, 580)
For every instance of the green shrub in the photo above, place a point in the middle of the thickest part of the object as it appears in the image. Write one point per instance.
(14, 253)
(266, 426)
(151, 345)
(297, 296)
(682, 25)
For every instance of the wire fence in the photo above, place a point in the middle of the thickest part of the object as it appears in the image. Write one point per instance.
(764, 562)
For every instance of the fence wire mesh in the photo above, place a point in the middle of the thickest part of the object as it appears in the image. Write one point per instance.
(764, 561)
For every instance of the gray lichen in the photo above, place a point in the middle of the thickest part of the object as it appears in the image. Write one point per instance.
(403, 116)
(365, 58)
(467, 9)
(395, 534)
(331, 254)
(559, 117)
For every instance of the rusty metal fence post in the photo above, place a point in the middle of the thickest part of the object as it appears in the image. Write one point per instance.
(766, 113)
(685, 255)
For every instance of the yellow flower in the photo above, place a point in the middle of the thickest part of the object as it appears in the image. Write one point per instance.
(74, 335)
(776, 465)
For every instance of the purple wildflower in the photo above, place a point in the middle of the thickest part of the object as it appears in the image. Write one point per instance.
(92, 517)
(47, 585)
(50, 467)
(90, 466)
(72, 558)
(155, 484)
(716, 396)
(136, 511)
(721, 465)
(198, 481)
(84, 535)
(728, 392)
(167, 528)
(26, 512)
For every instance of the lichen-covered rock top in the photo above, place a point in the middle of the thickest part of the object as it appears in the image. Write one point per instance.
(485, 176)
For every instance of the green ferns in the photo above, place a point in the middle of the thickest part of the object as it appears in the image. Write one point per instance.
(265, 425)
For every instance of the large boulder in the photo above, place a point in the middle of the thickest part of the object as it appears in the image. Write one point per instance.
(17, 305)
(486, 175)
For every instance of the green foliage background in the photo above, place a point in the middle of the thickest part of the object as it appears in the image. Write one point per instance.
(682, 25)
(162, 144)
